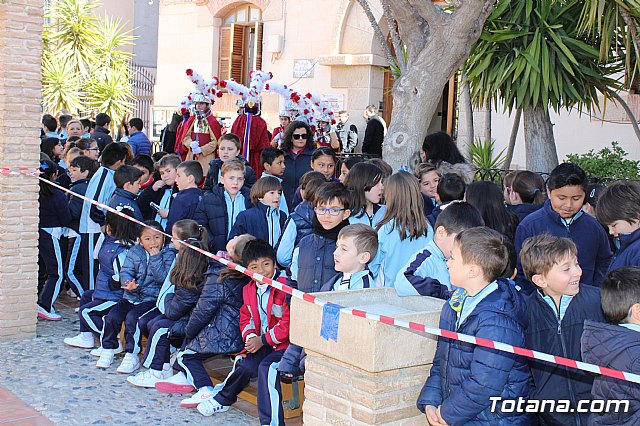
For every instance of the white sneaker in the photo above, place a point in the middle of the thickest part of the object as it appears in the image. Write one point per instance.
(83, 340)
(177, 383)
(98, 351)
(51, 316)
(211, 406)
(129, 364)
(106, 359)
(199, 397)
(146, 379)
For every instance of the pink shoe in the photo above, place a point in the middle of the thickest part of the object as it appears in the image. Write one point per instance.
(177, 383)
(51, 316)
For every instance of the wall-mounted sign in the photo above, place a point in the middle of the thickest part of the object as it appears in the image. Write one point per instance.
(303, 68)
(335, 101)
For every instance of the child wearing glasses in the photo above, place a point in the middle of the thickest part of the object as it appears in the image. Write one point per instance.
(312, 264)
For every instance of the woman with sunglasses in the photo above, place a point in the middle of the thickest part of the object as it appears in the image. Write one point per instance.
(298, 147)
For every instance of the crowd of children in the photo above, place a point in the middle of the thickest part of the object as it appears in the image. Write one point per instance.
(529, 266)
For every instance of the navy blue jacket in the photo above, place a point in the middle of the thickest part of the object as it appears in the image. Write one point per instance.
(296, 166)
(148, 196)
(629, 252)
(464, 376)
(433, 216)
(140, 143)
(315, 263)
(614, 347)
(523, 210)
(183, 206)
(214, 324)
(75, 203)
(215, 165)
(546, 334)
(122, 197)
(111, 257)
(428, 206)
(253, 221)
(102, 136)
(212, 214)
(54, 210)
(302, 216)
(178, 307)
(594, 254)
(148, 271)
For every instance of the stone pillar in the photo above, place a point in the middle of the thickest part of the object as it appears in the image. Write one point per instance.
(20, 98)
(373, 373)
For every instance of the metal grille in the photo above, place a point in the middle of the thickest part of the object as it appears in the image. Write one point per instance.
(142, 83)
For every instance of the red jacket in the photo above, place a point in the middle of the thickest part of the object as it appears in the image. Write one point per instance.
(258, 138)
(277, 335)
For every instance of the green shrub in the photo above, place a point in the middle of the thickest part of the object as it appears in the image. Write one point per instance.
(608, 163)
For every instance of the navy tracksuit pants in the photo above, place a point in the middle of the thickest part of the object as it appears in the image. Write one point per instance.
(92, 311)
(50, 252)
(88, 266)
(129, 314)
(263, 364)
(74, 270)
(158, 350)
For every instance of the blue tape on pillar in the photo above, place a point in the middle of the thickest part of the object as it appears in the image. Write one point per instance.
(330, 322)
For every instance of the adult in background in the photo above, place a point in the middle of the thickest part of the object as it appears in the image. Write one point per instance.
(279, 132)
(298, 147)
(440, 149)
(374, 132)
(101, 133)
(198, 136)
(347, 133)
(168, 134)
(139, 142)
(258, 134)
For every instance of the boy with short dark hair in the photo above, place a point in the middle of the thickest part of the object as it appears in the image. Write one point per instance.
(101, 132)
(426, 273)
(616, 345)
(220, 208)
(127, 179)
(189, 174)
(463, 377)
(451, 187)
(229, 148)
(144, 163)
(50, 126)
(161, 192)
(562, 216)
(272, 160)
(140, 143)
(556, 313)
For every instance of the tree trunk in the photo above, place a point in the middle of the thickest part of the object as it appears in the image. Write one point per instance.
(512, 140)
(539, 142)
(467, 111)
(487, 123)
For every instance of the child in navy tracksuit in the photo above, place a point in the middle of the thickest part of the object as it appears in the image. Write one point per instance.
(188, 176)
(264, 220)
(174, 304)
(619, 208)
(323, 160)
(264, 324)
(54, 216)
(562, 216)
(161, 192)
(101, 188)
(356, 246)
(557, 310)
(143, 272)
(218, 209)
(272, 160)
(127, 180)
(229, 148)
(299, 224)
(312, 264)
(426, 273)
(121, 235)
(451, 187)
(81, 170)
(616, 345)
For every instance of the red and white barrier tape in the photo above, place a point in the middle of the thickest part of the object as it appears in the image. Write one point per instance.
(579, 365)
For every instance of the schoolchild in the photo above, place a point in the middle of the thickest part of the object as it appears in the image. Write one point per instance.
(144, 163)
(323, 160)
(264, 323)
(300, 222)
(272, 160)
(219, 209)
(143, 273)
(451, 187)
(346, 165)
(121, 235)
(562, 216)
(312, 262)
(557, 310)
(127, 179)
(54, 215)
(81, 170)
(161, 192)
(403, 229)
(214, 324)
(507, 185)
(429, 177)
(464, 377)
(616, 345)
(426, 272)
(525, 194)
(366, 189)
(101, 188)
(264, 220)
(177, 297)
(619, 209)
(229, 148)
(188, 177)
